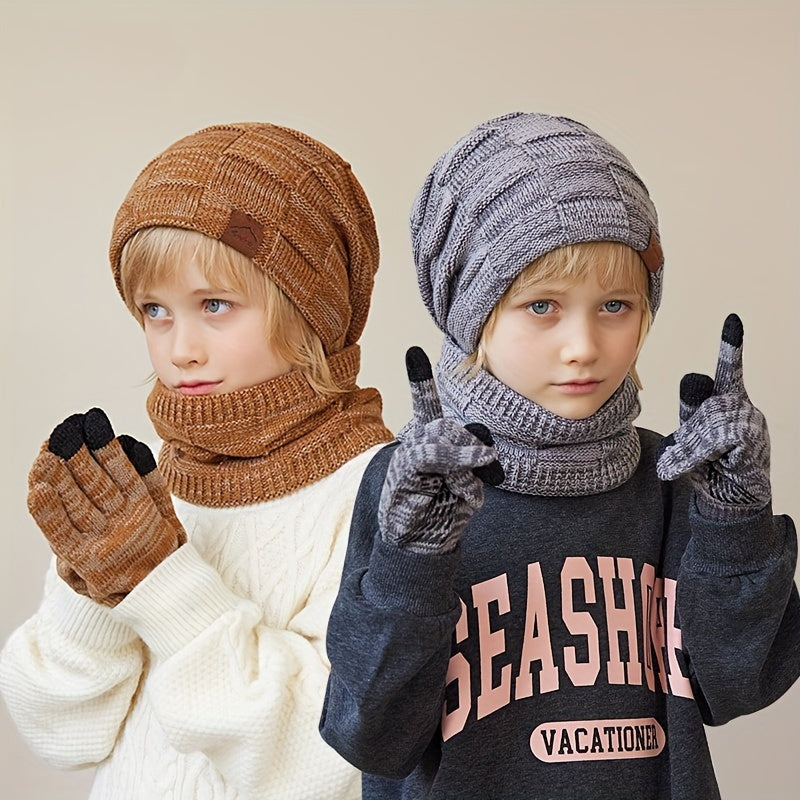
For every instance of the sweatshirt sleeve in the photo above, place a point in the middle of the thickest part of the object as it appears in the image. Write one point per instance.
(228, 682)
(68, 675)
(739, 612)
(389, 641)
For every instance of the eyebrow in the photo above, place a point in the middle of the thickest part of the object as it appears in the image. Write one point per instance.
(621, 290)
(214, 290)
(558, 289)
(142, 295)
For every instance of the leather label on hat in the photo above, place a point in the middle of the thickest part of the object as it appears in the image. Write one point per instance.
(653, 255)
(243, 233)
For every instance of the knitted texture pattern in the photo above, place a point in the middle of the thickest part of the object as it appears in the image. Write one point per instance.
(432, 489)
(266, 441)
(511, 190)
(541, 452)
(102, 506)
(208, 679)
(281, 198)
(723, 440)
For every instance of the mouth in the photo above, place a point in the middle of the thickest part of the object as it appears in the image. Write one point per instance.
(197, 387)
(586, 386)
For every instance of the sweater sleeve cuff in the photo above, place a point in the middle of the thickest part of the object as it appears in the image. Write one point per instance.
(738, 546)
(420, 583)
(178, 600)
(83, 620)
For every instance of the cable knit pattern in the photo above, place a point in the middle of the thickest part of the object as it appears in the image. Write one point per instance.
(207, 681)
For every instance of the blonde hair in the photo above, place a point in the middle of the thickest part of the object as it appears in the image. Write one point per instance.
(152, 255)
(613, 263)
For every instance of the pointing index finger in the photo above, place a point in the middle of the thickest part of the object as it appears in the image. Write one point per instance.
(729, 377)
(425, 402)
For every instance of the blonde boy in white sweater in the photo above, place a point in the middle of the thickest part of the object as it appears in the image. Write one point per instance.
(182, 651)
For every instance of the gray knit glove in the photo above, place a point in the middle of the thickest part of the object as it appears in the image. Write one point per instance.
(722, 440)
(435, 478)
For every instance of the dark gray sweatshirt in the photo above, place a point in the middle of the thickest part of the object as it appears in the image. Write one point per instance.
(570, 647)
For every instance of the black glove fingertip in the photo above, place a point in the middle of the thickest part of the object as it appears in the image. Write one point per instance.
(144, 460)
(666, 442)
(492, 473)
(695, 388)
(418, 365)
(139, 454)
(480, 431)
(67, 437)
(127, 443)
(97, 430)
(733, 330)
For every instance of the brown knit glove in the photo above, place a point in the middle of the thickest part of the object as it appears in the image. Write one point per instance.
(103, 506)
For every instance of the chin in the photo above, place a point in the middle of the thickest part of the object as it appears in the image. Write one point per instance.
(574, 412)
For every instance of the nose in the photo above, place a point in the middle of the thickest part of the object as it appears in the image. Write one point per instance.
(581, 342)
(187, 345)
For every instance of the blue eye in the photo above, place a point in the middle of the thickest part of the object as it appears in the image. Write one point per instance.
(539, 307)
(154, 311)
(614, 306)
(215, 306)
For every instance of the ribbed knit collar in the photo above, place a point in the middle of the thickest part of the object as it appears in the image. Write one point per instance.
(542, 453)
(252, 445)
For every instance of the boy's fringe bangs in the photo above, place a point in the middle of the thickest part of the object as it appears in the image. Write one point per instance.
(613, 263)
(151, 257)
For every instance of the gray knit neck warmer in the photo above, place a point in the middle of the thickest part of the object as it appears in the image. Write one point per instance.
(542, 453)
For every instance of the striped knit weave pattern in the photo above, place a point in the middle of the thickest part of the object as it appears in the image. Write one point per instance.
(264, 442)
(278, 196)
(431, 489)
(431, 492)
(542, 453)
(511, 190)
(107, 525)
(723, 441)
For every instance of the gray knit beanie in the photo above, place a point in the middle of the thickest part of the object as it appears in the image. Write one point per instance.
(511, 190)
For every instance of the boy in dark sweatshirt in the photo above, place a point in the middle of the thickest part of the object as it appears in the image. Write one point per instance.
(566, 629)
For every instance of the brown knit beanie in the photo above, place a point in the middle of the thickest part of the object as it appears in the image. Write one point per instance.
(281, 198)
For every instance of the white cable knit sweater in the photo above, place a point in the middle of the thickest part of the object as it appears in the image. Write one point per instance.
(207, 680)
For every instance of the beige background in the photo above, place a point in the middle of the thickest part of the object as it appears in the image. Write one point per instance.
(702, 96)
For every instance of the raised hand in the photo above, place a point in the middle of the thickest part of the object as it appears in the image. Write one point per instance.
(103, 507)
(435, 478)
(722, 440)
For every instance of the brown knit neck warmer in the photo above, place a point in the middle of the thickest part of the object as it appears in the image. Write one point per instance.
(256, 444)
